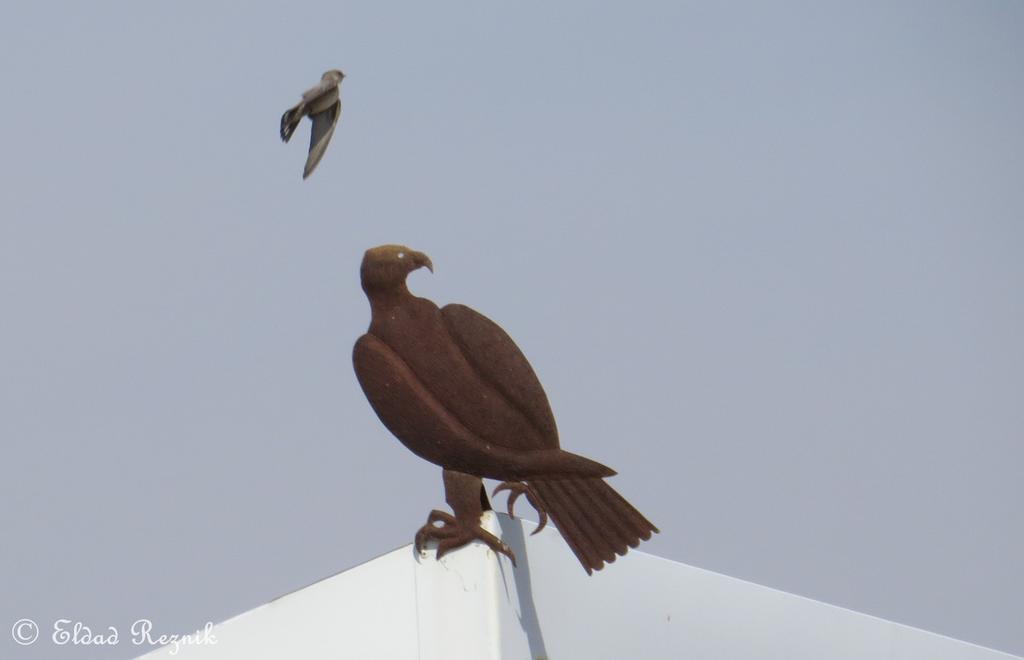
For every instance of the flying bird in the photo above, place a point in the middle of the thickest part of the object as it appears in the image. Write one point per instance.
(458, 392)
(322, 104)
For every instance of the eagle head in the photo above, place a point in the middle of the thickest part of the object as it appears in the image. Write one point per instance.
(387, 266)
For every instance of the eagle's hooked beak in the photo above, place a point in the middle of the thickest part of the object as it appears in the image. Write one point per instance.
(420, 260)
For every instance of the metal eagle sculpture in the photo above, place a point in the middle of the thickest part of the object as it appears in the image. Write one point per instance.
(458, 392)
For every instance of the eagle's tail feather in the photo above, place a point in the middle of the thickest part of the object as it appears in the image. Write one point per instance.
(594, 520)
(563, 509)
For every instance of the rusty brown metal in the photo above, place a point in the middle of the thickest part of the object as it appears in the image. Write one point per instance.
(454, 388)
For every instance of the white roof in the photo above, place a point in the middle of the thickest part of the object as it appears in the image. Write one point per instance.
(472, 605)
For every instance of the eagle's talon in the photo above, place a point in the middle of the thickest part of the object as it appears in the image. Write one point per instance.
(453, 534)
(431, 531)
(517, 488)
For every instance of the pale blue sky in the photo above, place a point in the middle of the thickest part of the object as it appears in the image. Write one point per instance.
(766, 258)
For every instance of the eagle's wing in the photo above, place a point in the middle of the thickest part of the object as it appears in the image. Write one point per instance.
(407, 407)
(500, 362)
(323, 129)
(433, 431)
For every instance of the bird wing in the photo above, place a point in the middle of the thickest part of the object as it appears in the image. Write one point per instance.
(407, 407)
(499, 362)
(426, 423)
(318, 90)
(323, 129)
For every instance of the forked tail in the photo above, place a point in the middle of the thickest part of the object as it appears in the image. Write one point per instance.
(290, 121)
(594, 520)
